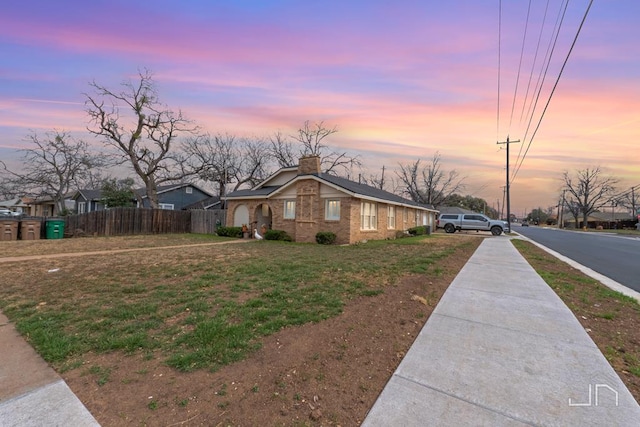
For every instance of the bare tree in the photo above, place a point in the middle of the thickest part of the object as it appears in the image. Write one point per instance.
(430, 184)
(377, 181)
(589, 190)
(142, 130)
(281, 150)
(53, 166)
(310, 140)
(226, 160)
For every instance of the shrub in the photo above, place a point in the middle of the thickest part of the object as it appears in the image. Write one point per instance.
(229, 231)
(325, 237)
(417, 231)
(277, 235)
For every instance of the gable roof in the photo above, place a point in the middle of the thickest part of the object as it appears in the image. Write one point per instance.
(13, 203)
(142, 192)
(88, 194)
(355, 189)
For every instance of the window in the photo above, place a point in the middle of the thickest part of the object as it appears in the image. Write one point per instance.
(368, 217)
(406, 215)
(332, 209)
(289, 209)
(167, 206)
(188, 190)
(391, 217)
(81, 207)
(417, 217)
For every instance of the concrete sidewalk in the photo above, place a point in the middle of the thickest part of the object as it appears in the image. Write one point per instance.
(31, 393)
(502, 349)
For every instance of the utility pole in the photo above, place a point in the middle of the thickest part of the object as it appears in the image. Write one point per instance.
(507, 142)
(561, 211)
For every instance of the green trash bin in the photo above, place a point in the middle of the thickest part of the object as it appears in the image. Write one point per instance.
(54, 228)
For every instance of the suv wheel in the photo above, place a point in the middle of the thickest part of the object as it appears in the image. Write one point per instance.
(449, 228)
(496, 231)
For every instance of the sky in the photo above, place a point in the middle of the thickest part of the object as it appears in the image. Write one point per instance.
(401, 81)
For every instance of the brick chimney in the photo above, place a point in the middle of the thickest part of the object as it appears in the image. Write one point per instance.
(309, 165)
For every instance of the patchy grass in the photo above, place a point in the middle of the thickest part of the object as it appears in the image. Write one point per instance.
(612, 319)
(199, 306)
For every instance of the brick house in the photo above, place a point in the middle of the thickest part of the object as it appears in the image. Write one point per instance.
(303, 201)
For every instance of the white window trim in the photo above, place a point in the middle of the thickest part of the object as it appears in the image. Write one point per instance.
(167, 206)
(368, 222)
(391, 217)
(82, 206)
(292, 212)
(188, 190)
(327, 217)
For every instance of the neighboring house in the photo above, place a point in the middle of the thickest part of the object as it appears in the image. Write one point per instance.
(303, 201)
(174, 197)
(600, 219)
(43, 207)
(171, 197)
(88, 201)
(16, 205)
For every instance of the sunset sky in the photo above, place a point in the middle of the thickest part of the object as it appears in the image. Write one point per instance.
(400, 80)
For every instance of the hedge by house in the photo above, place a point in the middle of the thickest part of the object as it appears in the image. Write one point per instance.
(229, 231)
(325, 237)
(277, 235)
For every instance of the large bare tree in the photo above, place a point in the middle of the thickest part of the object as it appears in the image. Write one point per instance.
(142, 130)
(226, 160)
(429, 184)
(588, 189)
(310, 139)
(54, 165)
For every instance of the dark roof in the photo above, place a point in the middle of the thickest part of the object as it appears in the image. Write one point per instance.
(204, 204)
(142, 192)
(367, 190)
(262, 191)
(90, 194)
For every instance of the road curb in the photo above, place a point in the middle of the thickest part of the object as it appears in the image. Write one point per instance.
(609, 283)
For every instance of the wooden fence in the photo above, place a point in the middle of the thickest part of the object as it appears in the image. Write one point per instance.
(132, 221)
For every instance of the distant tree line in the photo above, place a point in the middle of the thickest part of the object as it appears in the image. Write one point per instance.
(161, 146)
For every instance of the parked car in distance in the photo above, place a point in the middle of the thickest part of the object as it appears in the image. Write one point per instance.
(4, 213)
(525, 223)
(475, 221)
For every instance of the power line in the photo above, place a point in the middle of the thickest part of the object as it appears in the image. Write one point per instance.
(535, 60)
(541, 79)
(499, 48)
(575, 39)
(515, 93)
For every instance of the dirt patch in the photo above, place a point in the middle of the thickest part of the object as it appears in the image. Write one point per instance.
(327, 373)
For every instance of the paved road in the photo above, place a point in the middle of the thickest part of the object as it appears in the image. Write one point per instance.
(611, 255)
